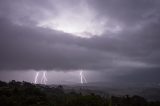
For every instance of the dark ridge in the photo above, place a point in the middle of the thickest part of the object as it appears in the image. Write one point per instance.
(24, 93)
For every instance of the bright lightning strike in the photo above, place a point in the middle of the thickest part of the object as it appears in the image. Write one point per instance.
(44, 78)
(82, 77)
(36, 77)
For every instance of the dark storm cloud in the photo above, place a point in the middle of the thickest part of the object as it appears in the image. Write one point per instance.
(39, 48)
(25, 46)
(150, 75)
(130, 12)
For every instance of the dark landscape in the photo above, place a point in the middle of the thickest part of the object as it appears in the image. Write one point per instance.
(28, 94)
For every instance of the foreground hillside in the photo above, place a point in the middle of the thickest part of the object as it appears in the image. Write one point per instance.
(27, 94)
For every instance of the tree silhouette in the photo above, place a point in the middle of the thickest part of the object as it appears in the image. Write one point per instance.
(27, 94)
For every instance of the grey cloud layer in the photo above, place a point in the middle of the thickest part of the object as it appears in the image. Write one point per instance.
(38, 48)
(24, 46)
(130, 12)
(30, 12)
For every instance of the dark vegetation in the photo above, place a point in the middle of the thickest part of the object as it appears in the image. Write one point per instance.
(27, 94)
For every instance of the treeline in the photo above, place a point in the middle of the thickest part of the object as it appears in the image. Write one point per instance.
(27, 94)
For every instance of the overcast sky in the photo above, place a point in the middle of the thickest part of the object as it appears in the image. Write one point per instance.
(110, 40)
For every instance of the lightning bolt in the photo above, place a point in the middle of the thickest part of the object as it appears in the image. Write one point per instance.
(36, 77)
(44, 78)
(82, 77)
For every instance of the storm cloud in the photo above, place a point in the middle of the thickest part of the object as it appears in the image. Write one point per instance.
(128, 42)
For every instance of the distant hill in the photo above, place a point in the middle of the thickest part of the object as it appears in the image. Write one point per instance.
(150, 91)
(28, 94)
